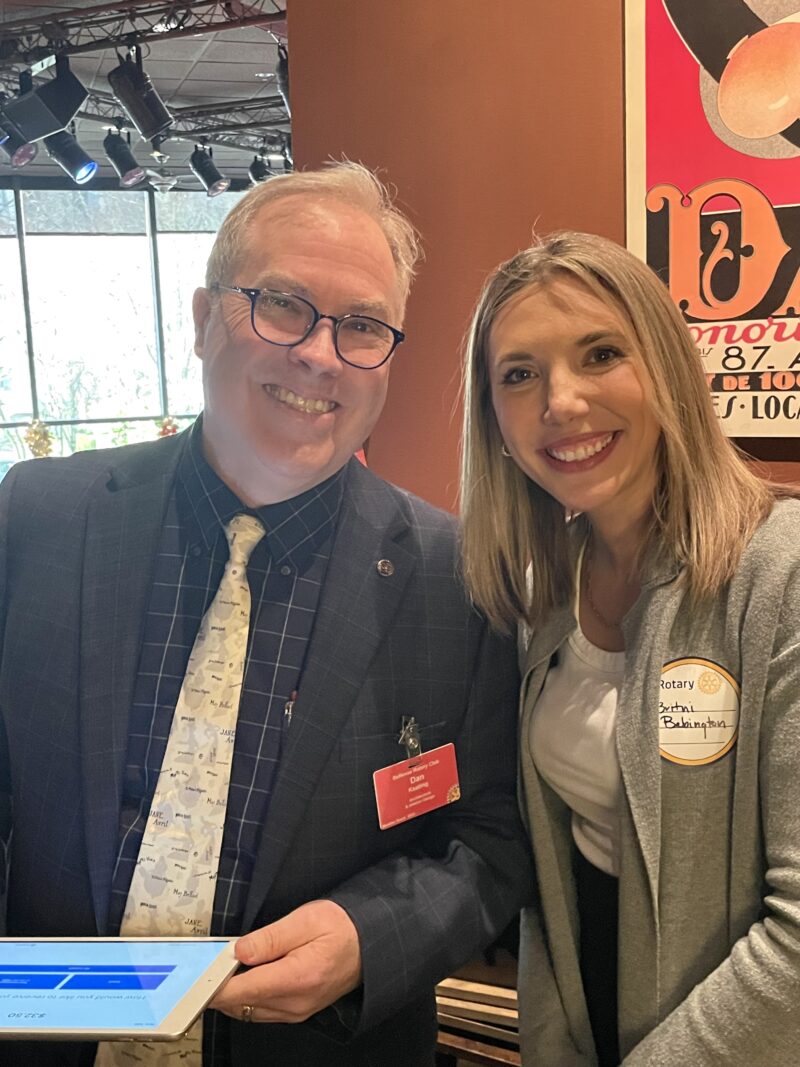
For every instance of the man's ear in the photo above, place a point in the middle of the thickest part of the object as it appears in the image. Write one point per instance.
(201, 310)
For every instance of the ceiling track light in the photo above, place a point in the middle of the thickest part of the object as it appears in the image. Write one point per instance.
(118, 150)
(19, 152)
(134, 91)
(171, 22)
(258, 170)
(65, 150)
(203, 167)
(38, 112)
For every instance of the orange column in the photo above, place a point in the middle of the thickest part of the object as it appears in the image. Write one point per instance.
(490, 119)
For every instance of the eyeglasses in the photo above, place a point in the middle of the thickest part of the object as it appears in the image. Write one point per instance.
(287, 320)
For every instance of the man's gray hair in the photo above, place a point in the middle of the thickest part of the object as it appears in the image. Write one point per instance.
(350, 183)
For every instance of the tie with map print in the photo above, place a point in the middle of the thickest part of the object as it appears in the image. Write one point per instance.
(172, 889)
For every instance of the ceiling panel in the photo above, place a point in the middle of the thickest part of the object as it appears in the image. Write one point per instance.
(240, 73)
(224, 51)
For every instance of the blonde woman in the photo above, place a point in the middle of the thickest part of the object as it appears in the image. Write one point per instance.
(658, 582)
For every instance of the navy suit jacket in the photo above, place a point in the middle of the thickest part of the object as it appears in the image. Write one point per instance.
(78, 538)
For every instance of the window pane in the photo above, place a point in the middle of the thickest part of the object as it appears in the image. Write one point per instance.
(8, 215)
(190, 211)
(84, 211)
(12, 449)
(87, 436)
(15, 391)
(79, 438)
(181, 259)
(93, 326)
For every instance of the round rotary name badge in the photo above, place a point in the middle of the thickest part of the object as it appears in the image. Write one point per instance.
(698, 712)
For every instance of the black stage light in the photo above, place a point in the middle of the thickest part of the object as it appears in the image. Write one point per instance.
(204, 167)
(134, 90)
(122, 160)
(19, 152)
(65, 150)
(258, 170)
(45, 109)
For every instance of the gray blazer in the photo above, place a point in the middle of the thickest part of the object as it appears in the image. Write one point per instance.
(709, 947)
(77, 543)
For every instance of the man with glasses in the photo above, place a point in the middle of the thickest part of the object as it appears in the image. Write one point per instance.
(246, 613)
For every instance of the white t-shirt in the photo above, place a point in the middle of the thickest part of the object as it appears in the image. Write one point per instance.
(573, 744)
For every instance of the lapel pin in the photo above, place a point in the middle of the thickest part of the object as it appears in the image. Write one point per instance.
(385, 568)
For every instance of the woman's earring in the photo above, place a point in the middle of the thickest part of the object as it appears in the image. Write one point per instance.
(504, 451)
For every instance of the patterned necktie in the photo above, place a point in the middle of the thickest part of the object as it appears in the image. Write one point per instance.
(173, 883)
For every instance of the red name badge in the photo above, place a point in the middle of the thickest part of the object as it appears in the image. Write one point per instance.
(416, 786)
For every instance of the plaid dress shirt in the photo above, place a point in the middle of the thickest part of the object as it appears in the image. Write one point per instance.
(285, 572)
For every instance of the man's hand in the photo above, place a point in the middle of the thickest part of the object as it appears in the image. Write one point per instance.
(301, 964)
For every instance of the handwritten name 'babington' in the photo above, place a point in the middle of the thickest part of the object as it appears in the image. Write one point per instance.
(672, 719)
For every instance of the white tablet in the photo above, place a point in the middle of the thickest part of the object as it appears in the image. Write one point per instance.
(109, 988)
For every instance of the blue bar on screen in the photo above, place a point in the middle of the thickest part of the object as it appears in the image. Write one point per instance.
(90, 968)
(30, 981)
(114, 981)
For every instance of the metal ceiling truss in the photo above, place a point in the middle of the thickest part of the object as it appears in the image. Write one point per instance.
(127, 22)
(236, 124)
(247, 125)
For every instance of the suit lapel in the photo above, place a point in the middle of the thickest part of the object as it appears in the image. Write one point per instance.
(356, 608)
(122, 535)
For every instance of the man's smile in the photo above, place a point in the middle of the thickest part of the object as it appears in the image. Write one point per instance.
(300, 403)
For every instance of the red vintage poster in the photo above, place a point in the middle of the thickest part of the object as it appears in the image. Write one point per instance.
(713, 190)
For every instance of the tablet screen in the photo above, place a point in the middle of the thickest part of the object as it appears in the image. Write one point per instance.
(98, 985)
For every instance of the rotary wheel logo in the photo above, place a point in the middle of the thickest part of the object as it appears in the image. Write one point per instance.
(453, 793)
(709, 682)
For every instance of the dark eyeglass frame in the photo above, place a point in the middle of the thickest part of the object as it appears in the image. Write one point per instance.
(317, 316)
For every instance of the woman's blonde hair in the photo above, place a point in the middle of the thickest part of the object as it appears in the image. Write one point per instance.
(707, 503)
(351, 183)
